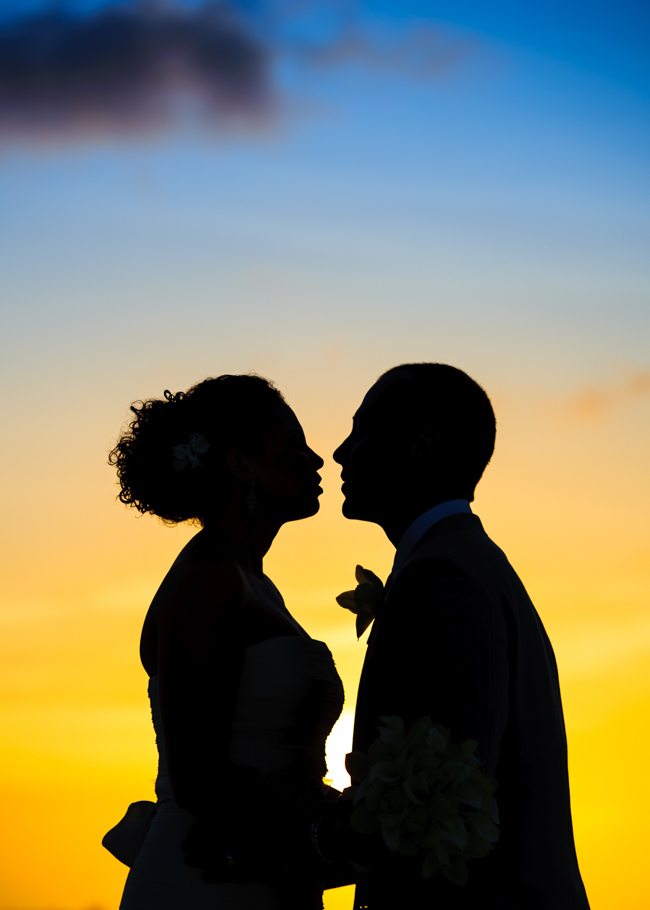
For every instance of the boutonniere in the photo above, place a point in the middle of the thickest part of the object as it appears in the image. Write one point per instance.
(366, 600)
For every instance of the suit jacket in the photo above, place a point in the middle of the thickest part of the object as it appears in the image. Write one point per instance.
(459, 639)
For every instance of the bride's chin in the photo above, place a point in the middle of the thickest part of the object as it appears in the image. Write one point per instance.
(309, 508)
(299, 510)
(312, 508)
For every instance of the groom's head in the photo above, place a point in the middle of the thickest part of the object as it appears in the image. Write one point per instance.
(423, 434)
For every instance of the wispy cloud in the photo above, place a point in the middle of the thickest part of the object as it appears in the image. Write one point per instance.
(142, 66)
(597, 402)
(422, 52)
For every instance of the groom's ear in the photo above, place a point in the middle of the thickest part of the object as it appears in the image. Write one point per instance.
(424, 443)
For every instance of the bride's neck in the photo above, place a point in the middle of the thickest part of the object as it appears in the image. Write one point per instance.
(244, 538)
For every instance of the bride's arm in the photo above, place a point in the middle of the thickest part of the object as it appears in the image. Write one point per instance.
(200, 656)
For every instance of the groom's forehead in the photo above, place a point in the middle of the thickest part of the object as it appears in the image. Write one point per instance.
(381, 398)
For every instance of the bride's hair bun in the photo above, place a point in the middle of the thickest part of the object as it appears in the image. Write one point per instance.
(171, 461)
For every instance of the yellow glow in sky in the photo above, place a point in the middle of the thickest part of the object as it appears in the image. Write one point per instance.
(77, 740)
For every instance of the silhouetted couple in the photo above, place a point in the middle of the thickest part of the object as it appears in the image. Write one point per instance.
(243, 700)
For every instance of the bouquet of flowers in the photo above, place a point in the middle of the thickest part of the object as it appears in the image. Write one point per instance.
(426, 795)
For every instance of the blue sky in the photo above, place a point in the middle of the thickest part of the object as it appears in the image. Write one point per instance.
(505, 199)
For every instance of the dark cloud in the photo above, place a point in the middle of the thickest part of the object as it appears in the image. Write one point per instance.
(129, 68)
(140, 67)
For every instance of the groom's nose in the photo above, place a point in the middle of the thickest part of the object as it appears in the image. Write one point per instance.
(340, 453)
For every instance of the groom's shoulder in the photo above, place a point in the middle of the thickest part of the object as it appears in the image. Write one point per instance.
(457, 537)
(458, 545)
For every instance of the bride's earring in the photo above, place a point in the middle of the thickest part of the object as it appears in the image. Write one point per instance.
(251, 499)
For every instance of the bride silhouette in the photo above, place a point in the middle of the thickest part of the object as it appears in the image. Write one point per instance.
(242, 699)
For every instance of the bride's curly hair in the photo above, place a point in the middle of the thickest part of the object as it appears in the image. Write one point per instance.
(228, 411)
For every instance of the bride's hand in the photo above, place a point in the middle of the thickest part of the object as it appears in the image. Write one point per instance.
(330, 793)
(204, 849)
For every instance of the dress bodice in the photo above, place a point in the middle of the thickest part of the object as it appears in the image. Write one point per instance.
(289, 698)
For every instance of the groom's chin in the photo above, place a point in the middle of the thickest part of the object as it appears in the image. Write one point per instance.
(347, 509)
(354, 510)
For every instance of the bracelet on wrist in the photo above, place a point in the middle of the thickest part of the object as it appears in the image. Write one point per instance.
(315, 825)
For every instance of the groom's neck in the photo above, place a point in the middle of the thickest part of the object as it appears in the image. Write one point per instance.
(395, 522)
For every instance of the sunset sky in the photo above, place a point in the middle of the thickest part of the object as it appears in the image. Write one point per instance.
(464, 182)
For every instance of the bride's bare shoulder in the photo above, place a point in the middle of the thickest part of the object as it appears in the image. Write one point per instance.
(197, 580)
(199, 590)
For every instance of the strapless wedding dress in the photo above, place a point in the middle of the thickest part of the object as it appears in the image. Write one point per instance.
(289, 698)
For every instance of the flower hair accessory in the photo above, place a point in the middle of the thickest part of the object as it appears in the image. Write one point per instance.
(189, 453)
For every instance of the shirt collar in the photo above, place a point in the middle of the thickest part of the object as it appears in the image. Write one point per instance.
(421, 525)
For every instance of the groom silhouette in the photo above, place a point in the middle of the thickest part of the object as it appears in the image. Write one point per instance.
(458, 639)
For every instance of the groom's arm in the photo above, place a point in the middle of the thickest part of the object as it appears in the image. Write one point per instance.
(442, 650)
